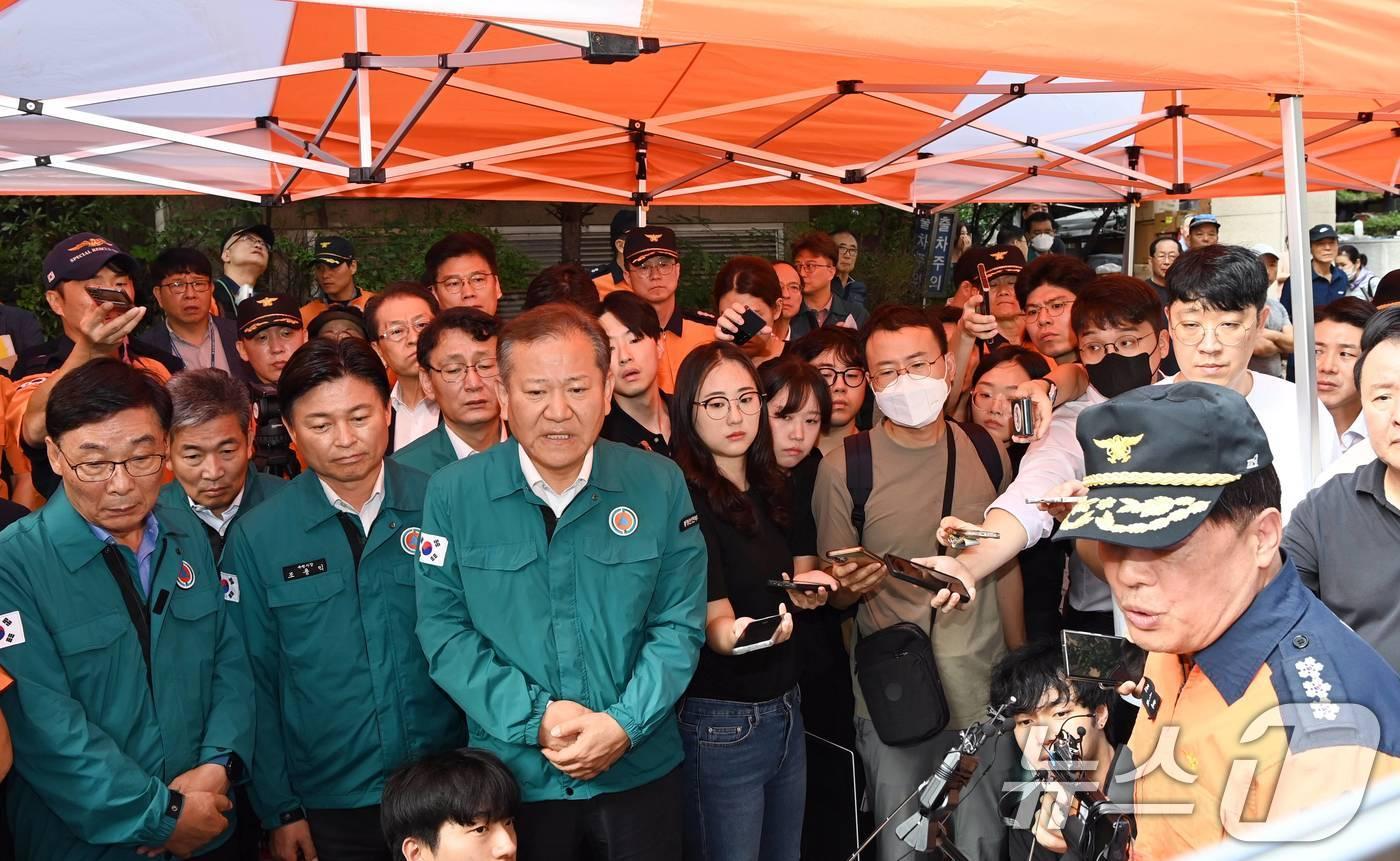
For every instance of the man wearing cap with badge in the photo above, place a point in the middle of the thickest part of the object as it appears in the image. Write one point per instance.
(1246, 669)
(569, 622)
(325, 572)
(1004, 325)
(269, 332)
(334, 266)
(339, 322)
(245, 254)
(131, 712)
(654, 272)
(89, 283)
(612, 276)
(1204, 230)
(1329, 281)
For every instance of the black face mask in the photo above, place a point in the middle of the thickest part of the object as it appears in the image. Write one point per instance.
(1115, 374)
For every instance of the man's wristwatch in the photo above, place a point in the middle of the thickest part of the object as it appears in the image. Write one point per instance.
(175, 805)
(287, 817)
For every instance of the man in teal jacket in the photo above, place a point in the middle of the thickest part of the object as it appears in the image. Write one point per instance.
(561, 602)
(131, 712)
(457, 369)
(211, 453)
(326, 607)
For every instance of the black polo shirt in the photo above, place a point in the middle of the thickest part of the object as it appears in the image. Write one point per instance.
(1343, 537)
(618, 426)
(740, 566)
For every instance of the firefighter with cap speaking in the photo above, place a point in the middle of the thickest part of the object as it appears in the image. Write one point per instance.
(1257, 702)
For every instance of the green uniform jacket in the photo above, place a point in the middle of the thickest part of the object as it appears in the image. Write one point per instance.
(258, 487)
(341, 683)
(429, 453)
(97, 736)
(609, 613)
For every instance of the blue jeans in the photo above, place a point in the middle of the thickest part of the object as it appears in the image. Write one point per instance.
(745, 776)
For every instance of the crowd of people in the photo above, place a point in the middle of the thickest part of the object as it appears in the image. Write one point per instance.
(384, 575)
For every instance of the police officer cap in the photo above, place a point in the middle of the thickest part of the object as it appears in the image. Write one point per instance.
(999, 260)
(1157, 458)
(644, 243)
(263, 312)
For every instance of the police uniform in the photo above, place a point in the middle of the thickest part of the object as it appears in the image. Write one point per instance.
(257, 487)
(1209, 737)
(333, 251)
(117, 693)
(686, 329)
(603, 605)
(327, 615)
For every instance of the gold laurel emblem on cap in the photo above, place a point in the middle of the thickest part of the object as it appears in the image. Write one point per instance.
(326, 244)
(1119, 448)
(89, 243)
(652, 237)
(267, 301)
(998, 255)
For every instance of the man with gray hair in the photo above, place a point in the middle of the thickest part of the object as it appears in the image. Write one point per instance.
(211, 445)
(569, 622)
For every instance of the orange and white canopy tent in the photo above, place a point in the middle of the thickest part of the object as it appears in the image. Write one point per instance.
(722, 102)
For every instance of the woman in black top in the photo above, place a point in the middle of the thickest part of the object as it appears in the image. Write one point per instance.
(741, 726)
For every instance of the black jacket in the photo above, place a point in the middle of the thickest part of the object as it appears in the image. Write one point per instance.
(158, 335)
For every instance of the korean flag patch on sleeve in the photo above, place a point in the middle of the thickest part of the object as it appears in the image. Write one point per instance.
(432, 549)
(11, 630)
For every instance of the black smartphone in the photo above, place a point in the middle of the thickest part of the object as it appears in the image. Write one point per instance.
(796, 585)
(986, 283)
(120, 301)
(924, 577)
(1023, 417)
(759, 634)
(854, 554)
(752, 325)
(1101, 659)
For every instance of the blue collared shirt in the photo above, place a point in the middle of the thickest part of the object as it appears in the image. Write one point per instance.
(1324, 290)
(144, 552)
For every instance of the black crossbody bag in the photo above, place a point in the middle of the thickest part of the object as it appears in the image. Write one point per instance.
(894, 666)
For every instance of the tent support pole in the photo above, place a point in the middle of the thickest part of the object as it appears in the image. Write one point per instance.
(639, 144)
(322, 132)
(362, 86)
(1179, 141)
(1130, 235)
(1295, 184)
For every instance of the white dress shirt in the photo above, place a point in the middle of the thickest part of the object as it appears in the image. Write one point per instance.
(460, 446)
(218, 523)
(411, 422)
(1354, 434)
(556, 501)
(368, 511)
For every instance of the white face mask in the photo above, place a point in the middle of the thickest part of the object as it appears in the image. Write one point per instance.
(1043, 242)
(913, 402)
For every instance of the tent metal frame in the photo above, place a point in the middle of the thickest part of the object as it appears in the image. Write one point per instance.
(1124, 182)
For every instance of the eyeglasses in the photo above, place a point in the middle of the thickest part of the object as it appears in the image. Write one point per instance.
(196, 286)
(659, 267)
(1125, 344)
(455, 372)
(808, 267)
(252, 240)
(847, 249)
(101, 470)
(919, 369)
(453, 285)
(1054, 309)
(1228, 333)
(852, 377)
(719, 406)
(398, 331)
(983, 400)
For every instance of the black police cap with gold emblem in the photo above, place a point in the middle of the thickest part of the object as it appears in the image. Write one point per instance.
(999, 260)
(266, 310)
(1157, 458)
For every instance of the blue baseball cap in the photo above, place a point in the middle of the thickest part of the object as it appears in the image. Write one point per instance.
(1203, 218)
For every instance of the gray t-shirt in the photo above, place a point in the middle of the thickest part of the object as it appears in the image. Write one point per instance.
(901, 517)
(1278, 318)
(1343, 539)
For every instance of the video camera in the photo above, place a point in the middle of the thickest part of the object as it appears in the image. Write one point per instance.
(272, 444)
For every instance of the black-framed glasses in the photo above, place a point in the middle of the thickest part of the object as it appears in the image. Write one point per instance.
(807, 267)
(455, 372)
(194, 285)
(854, 378)
(101, 470)
(719, 406)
